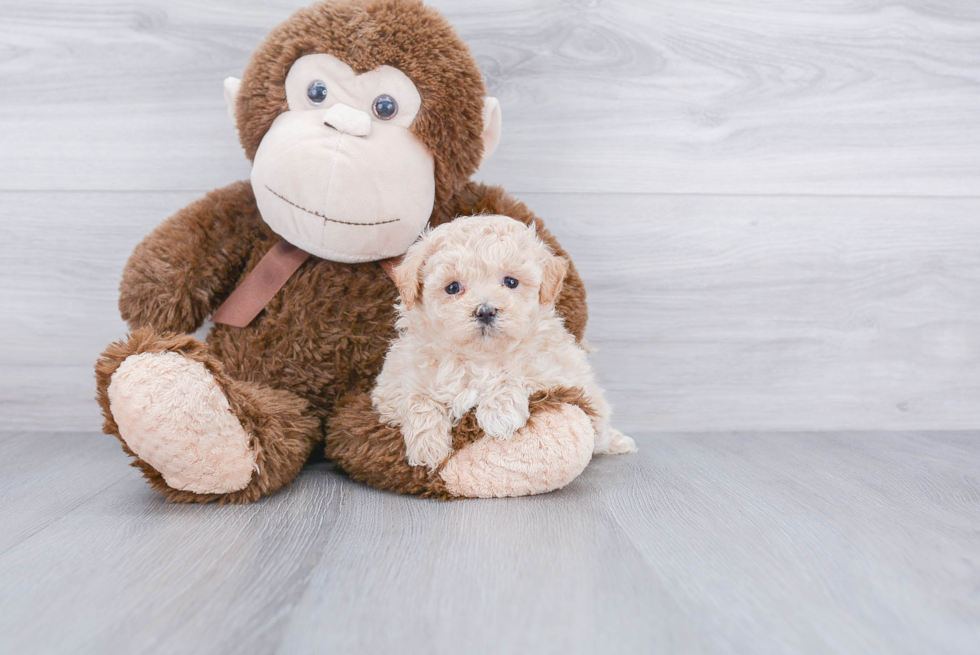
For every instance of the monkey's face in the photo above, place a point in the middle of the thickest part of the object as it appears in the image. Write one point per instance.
(339, 174)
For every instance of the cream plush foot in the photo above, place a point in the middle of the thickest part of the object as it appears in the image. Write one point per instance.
(174, 415)
(546, 454)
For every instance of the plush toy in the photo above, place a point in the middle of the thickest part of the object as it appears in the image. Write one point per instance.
(364, 122)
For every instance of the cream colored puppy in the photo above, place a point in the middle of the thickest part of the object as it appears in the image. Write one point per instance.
(477, 328)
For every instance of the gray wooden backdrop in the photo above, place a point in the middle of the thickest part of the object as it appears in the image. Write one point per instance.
(775, 205)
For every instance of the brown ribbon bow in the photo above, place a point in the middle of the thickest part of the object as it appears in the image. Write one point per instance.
(265, 281)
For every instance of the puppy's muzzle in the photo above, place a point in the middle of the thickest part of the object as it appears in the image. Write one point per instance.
(485, 314)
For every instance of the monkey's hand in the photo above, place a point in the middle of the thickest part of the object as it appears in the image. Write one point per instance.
(427, 432)
(182, 270)
(504, 412)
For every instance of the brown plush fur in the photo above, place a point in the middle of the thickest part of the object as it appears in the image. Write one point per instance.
(374, 453)
(283, 431)
(311, 356)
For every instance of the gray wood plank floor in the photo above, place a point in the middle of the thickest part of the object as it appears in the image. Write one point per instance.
(700, 543)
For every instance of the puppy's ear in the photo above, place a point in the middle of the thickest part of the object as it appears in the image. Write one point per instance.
(407, 274)
(553, 273)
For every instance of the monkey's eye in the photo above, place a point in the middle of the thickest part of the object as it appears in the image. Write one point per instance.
(453, 288)
(385, 107)
(510, 283)
(317, 92)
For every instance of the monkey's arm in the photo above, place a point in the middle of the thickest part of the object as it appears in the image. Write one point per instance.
(181, 271)
(482, 199)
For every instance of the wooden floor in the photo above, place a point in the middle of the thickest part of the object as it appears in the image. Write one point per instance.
(776, 210)
(699, 543)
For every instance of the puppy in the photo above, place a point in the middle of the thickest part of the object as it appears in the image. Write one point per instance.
(477, 328)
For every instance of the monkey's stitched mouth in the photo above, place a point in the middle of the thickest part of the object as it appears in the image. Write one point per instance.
(332, 220)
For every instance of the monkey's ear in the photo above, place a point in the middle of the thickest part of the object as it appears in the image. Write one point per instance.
(491, 127)
(406, 275)
(552, 278)
(232, 84)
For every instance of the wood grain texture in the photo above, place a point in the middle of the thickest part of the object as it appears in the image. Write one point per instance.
(45, 476)
(715, 313)
(709, 312)
(722, 543)
(839, 97)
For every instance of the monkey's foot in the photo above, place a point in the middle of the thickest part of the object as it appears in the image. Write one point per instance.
(546, 454)
(197, 434)
(175, 416)
(552, 448)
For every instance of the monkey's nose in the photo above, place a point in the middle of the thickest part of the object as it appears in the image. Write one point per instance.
(347, 120)
(485, 314)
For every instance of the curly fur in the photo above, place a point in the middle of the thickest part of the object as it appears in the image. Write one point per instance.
(446, 361)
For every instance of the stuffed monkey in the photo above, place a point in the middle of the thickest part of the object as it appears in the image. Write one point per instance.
(364, 122)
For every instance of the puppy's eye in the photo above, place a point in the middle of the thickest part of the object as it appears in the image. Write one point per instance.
(453, 288)
(317, 92)
(385, 107)
(510, 283)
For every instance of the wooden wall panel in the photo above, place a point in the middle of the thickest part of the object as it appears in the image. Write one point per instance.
(709, 312)
(845, 97)
(774, 206)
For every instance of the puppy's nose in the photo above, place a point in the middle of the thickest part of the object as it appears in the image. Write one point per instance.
(485, 314)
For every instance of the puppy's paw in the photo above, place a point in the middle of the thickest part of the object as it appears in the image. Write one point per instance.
(618, 444)
(501, 419)
(428, 447)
